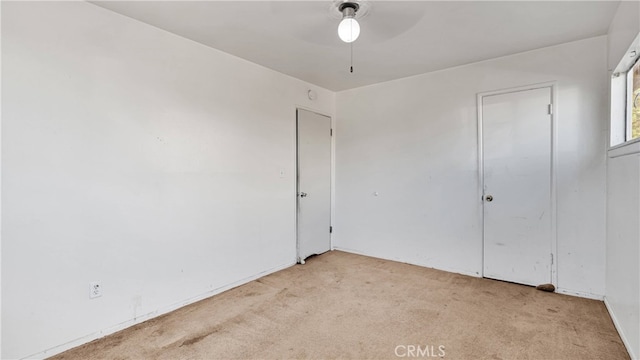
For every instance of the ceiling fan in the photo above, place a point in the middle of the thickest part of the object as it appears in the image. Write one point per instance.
(317, 21)
(331, 23)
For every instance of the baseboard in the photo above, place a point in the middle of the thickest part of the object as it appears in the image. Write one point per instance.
(581, 294)
(102, 333)
(468, 273)
(455, 271)
(616, 323)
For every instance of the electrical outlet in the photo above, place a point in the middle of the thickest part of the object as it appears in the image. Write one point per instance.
(95, 289)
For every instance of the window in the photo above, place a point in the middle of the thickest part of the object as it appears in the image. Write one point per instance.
(633, 102)
(625, 97)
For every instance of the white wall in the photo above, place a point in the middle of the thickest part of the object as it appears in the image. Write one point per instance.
(622, 294)
(623, 249)
(623, 29)
(414, 142)
(137, 158)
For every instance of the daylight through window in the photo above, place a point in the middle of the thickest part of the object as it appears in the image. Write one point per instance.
(633, 102)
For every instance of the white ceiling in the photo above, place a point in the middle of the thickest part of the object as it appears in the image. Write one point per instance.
(398, 38)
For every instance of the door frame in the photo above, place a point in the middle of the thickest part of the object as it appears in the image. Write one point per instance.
(297, 179)
(553, 246)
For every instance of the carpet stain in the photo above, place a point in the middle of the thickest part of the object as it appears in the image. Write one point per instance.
(115, 340)
(196, 339)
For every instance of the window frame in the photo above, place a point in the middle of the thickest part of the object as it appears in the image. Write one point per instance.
(630, 103)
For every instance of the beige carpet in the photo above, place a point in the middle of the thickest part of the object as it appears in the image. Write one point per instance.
(340, 305)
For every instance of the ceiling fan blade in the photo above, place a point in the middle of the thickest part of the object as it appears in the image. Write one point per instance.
(310, 21)
(388, 20)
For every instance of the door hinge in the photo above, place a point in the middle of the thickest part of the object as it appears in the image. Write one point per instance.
(330, 229)
(550, 109)
(551, 259)
(330, 132)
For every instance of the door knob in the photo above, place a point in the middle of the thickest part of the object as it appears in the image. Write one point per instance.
(488, 198)
(303, 194)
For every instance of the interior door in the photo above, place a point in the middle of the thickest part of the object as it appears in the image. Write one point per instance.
(516, 153)
(314, 184)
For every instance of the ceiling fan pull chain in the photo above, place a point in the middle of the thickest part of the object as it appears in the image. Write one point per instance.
(351, 68)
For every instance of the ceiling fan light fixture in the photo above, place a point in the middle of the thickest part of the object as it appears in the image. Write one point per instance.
(349, 29)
